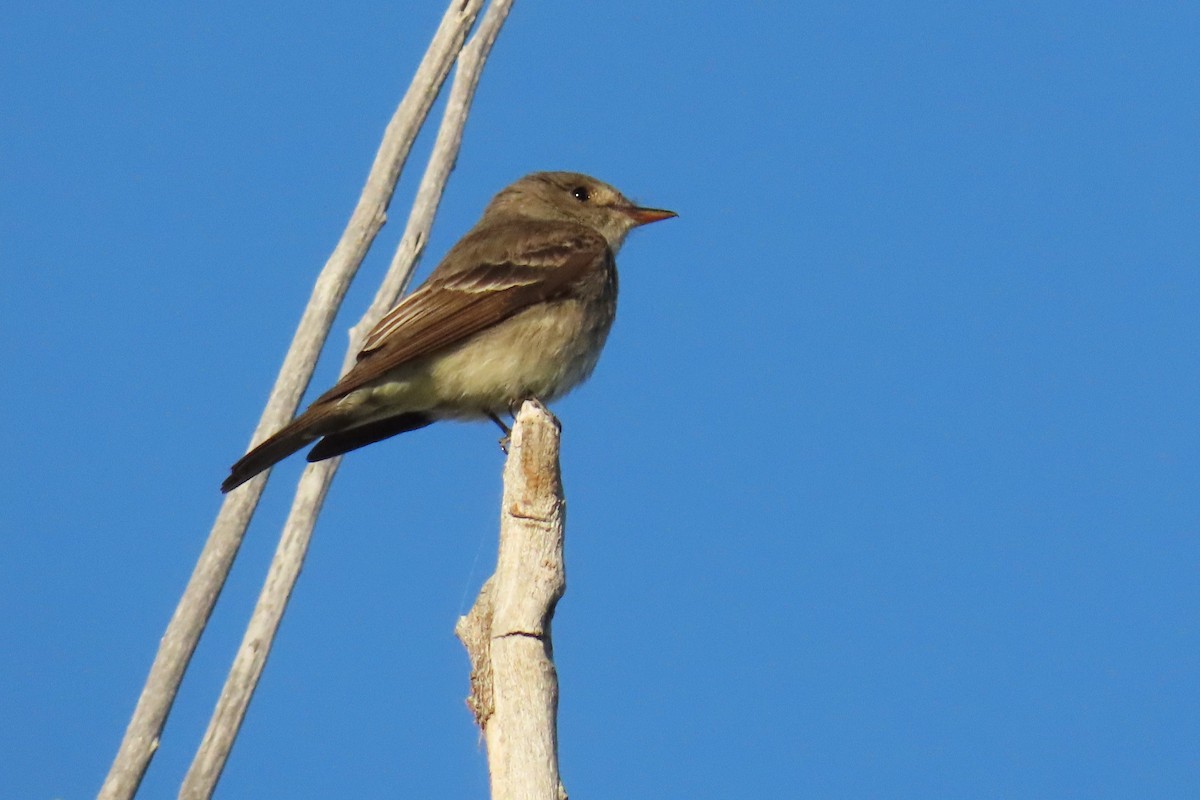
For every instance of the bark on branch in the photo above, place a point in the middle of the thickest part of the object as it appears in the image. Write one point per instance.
(514, 686)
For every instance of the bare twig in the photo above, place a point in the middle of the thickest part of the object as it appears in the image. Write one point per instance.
(191, 615)
(314, 483)
(514, 686)
(441, 162)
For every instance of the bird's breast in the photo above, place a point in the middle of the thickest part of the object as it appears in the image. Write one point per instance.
(542, 352)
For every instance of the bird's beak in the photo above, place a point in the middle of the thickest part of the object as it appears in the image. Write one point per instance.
(644, 216)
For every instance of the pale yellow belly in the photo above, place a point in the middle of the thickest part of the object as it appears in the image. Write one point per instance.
(543, 352)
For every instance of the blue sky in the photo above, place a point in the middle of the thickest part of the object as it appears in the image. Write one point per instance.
(886, 485)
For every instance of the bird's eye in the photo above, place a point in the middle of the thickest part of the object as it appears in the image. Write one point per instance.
(581, 194)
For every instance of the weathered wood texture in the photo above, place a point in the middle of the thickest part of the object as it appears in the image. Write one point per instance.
(514, 686)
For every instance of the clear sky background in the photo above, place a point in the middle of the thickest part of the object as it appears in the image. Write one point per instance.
(886, 485)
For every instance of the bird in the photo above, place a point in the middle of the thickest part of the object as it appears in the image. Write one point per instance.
(518, 309)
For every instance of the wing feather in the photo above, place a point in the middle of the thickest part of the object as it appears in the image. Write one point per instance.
(470, 292)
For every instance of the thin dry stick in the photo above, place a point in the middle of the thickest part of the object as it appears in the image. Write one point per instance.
(314, 483)
(514, 686)
(191, 615)
(441, 162)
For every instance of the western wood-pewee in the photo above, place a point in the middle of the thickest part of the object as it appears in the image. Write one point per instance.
(518, 309)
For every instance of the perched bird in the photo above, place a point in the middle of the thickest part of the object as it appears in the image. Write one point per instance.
(518, 309)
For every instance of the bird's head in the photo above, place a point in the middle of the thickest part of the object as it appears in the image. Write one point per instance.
(574, 197)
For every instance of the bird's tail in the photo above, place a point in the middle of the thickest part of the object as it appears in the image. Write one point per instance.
(306, 428)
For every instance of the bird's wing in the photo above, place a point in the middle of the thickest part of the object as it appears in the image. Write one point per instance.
(452, 306)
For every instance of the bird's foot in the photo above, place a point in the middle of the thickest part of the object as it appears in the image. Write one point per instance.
(514, 408)
(506, 439)
(499, 422)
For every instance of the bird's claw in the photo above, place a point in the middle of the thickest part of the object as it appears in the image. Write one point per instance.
(506, 439)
